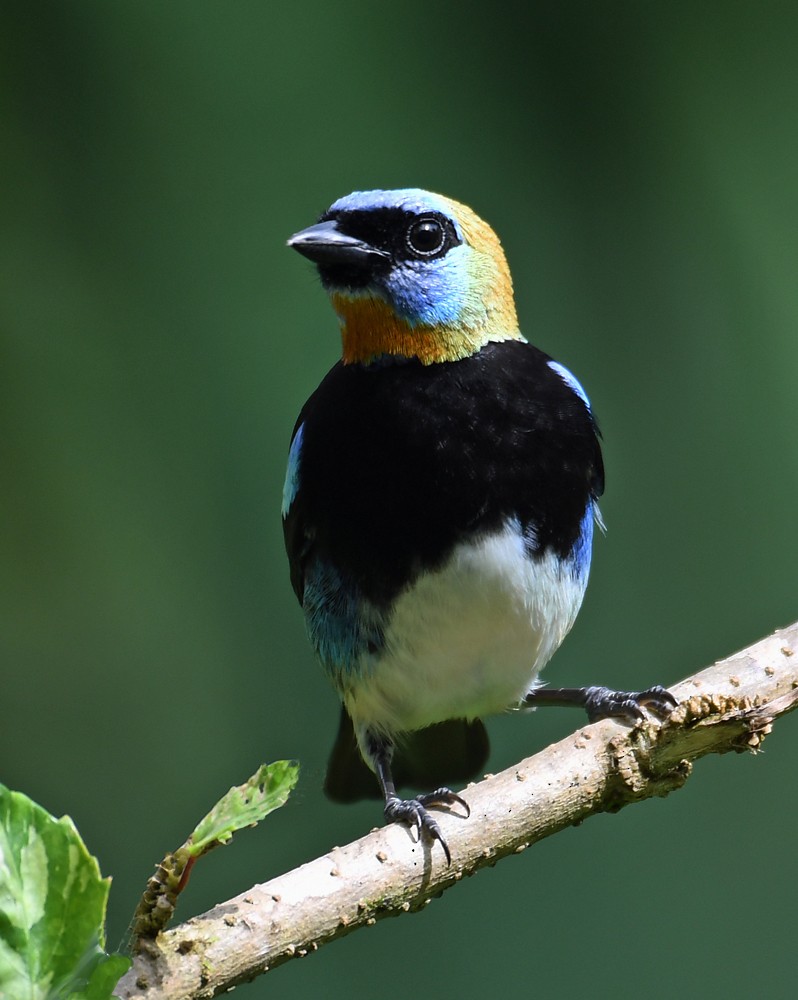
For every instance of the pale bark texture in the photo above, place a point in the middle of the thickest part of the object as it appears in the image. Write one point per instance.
(601, 767)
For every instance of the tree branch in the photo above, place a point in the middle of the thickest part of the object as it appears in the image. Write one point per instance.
(600, 768)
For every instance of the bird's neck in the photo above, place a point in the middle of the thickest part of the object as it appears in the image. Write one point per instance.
(370, 329)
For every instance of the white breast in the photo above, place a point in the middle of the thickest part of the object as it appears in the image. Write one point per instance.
(469, 639)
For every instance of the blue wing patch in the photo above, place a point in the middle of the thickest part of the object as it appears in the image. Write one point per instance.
(579, 559)
(291, 485)
(570, 380)
(346, 630)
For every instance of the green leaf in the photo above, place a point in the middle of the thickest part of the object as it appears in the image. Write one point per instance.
(245, 805)
(107, 972)
(52, 909)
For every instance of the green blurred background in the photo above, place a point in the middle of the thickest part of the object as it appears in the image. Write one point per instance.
(639, 161)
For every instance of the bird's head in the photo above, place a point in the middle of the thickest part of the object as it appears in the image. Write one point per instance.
(411, 274)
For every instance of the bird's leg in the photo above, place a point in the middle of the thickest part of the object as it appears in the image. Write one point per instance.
(604, 703)
(410, 811)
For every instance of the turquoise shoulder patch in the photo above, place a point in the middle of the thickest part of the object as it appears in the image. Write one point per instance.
(291, 485)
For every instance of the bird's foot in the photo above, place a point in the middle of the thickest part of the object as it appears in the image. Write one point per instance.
(414, 813)
(604, 703)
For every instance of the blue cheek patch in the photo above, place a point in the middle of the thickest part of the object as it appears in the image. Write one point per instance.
(291, 485)
(430, 293)
(346, 630)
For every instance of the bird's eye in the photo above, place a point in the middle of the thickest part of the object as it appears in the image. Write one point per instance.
(426, 237)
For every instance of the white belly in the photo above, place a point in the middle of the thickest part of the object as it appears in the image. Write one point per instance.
(470, 639)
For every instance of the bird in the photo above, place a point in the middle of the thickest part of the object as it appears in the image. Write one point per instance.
(439, 504)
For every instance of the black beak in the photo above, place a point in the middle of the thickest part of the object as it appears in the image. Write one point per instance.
(325, 244)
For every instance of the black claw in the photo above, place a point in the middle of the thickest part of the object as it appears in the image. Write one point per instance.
(414, 813)
(434, 833)
(604, 703)
(658, 699)
(444, 797)
(438, 836)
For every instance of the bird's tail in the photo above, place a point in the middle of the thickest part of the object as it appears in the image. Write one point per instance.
(449, 753)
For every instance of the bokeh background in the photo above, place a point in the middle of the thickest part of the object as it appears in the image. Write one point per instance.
(639, 161)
